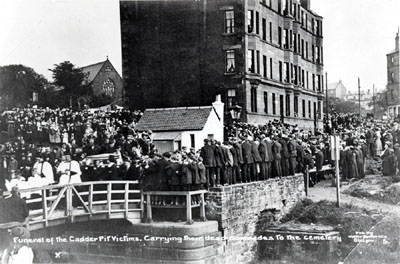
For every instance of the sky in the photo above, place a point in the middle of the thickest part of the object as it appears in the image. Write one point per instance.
(40, 33)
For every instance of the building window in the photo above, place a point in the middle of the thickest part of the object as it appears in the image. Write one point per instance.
(270, 32)
(315, 111)
(306, 50)
(302, 79)
(307, 81)
(313, 53)
(287, 105)
(258, 62)
(264, 29)
(270, 69)
(266, 102)
(309, 109)
(391, 94)
(313, 82)
(291, 73)
(299, 43)
(287, 72)
(295, 75)
(279, 6)
(253, 98)
(273, 104)
(280, 37)
(107, 69)
(304, 107)
(280, 71)
(250, 60)
(192, 141)
(257, 23)
(109, 87)
(302, 48)
(230, 97)
(250, 21)
(295, 42)
(230, 61)
(264, 66)
(285, 39)
(229, 21)
(319, 111)
(296, 106)
(317, 54)
(392, 60)
(392, 77)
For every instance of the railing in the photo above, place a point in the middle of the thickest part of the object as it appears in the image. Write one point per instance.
(56, 204)
(188, 203)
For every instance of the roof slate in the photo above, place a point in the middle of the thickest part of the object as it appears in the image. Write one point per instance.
(92, 70)
(174, 119)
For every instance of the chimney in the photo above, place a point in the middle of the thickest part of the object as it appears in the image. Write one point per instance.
(219, 125)
(306, 4)
(397, 39)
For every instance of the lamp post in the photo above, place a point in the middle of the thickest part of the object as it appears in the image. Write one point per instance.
(235, 112)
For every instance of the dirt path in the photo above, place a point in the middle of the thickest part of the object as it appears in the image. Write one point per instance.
(324, 191)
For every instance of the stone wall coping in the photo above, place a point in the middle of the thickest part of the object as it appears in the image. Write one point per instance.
(229, 187)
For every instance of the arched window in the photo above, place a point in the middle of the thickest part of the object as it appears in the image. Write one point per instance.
(109, 87)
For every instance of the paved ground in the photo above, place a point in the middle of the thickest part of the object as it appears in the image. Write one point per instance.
(324, 191)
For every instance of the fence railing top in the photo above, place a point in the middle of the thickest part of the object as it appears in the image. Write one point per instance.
(59, 186)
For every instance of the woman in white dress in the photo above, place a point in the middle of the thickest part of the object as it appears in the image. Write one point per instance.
(378, 142)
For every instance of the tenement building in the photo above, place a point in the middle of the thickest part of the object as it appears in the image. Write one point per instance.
(266, 56)
(393, 84)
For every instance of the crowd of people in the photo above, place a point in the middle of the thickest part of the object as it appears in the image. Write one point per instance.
(48, 146)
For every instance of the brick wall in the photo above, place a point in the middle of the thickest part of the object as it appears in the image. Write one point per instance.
(237, 209)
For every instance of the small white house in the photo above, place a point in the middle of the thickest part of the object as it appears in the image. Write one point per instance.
(174, 128)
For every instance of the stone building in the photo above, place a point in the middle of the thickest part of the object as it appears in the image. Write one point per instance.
(266, 56)
(337, 90)
(104, 79)
(393, 84)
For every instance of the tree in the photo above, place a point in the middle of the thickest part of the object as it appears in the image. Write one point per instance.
(380, 103)
(339, 106)
(72, 79)
(17, 85)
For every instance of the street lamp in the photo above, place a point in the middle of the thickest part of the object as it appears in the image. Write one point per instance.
(235, 112)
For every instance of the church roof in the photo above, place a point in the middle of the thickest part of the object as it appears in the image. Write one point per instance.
(174, 119)
(92, 70)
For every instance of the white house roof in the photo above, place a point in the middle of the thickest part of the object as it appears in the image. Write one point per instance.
(174, 119)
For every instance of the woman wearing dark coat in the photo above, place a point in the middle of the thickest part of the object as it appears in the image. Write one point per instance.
(388, 161)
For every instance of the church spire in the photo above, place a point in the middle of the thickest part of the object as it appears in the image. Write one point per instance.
(397, 39)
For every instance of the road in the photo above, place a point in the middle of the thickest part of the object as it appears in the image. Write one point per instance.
(324, 191)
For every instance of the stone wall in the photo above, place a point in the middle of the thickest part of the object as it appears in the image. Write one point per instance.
(237, 209)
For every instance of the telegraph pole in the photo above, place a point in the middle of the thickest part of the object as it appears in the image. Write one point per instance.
(373, 97)
(326, 87)
(359, 97)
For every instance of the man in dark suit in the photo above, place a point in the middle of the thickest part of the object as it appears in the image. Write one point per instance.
(257, 159)
(285, 155)
(276, 163)
(240, 171)
(292, 148)
(300, 157)
(262, 149)
(208, 154)
(220, 160)
(248, 160)
(270, 157)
